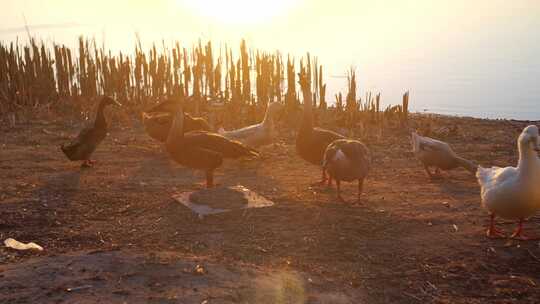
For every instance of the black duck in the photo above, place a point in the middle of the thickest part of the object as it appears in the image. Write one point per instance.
(82, 147)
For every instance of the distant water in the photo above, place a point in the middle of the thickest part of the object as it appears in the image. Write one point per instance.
(496, 80)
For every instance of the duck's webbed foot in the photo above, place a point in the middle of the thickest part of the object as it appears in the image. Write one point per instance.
(494, 233)
(87, 164)
(519, 235)
(323, 178)
(429, 174)
(341, 199)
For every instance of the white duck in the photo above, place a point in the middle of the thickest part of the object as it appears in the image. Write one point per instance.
(257, 135)
(513, 192)
(438, 154)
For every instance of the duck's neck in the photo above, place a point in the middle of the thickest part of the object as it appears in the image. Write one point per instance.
(528, 158)
(467, 164)
(176, 132)
(100, 116)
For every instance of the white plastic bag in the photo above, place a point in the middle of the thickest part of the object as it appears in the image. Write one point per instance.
(12, 243)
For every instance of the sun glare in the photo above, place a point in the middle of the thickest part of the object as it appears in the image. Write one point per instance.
(239, 11)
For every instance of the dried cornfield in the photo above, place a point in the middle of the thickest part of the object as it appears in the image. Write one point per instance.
(36, 74)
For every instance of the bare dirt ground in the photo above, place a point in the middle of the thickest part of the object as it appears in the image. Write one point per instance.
(113, 233)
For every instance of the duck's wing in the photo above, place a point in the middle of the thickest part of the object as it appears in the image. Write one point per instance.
(488, 177)
(354, 151)
(85, 135)
(497, 184)
(82, 146)
(218, 143)
(432, 145)
(329, 154)
(358, 153)
(197, 158)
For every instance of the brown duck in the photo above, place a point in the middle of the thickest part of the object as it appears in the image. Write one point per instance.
(82, 147)
(200, 149)
(157, 121)
(312, 142)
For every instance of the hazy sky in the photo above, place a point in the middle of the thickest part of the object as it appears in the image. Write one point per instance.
(486, 52)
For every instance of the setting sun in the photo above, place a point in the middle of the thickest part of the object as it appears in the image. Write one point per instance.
(239, 11)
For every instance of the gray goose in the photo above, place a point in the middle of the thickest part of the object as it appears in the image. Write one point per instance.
(347, 160)
(438, 154)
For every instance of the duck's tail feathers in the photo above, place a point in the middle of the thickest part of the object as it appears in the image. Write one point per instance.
(236, 149)
(469, 165)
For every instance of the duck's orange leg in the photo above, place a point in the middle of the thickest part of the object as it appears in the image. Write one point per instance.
(209, 179)
(323, 179)
(329, 181)
(519, 235)
(360, 188)
(428, 172)
(492, 231)
(86, 164)
(338, 187)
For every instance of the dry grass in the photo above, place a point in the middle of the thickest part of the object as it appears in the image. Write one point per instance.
(37, 75)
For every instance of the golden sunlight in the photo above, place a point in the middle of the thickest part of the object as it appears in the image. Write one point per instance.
(239, 11)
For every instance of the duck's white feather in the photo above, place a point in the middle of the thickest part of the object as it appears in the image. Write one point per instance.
(259, 134)
(422, 144)
(340, 156)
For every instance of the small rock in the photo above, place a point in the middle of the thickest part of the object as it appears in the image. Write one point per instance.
(199, 270)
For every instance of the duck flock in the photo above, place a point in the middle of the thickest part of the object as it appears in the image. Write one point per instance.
(511, 193)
